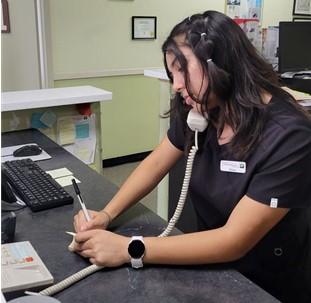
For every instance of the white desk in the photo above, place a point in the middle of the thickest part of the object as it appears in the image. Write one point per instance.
(56, 97)
(156, 73)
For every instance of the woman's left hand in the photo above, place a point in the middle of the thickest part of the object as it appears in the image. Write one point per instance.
(102, 247)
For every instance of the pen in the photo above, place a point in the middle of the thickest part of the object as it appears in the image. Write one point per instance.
(77, 190)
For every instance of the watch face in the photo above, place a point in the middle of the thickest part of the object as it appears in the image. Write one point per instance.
(136, 249)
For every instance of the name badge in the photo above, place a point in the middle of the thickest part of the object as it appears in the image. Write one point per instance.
(233, 166)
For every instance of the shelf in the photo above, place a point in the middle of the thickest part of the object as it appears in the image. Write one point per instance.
(29, 99)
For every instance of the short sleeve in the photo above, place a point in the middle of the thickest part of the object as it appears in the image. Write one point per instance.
(283, 179)
(175, 133)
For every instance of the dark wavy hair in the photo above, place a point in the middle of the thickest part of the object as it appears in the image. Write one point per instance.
(237, 74)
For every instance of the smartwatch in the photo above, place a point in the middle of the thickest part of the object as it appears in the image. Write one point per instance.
(136, 250)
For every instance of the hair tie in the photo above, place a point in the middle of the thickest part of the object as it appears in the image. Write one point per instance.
(203, 34)
(209, 60)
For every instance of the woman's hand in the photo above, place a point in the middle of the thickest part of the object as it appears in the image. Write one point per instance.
(102, 247)
(99, 220)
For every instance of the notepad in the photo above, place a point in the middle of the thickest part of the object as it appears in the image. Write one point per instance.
(299, 96)
(59, 172)
(63, 176)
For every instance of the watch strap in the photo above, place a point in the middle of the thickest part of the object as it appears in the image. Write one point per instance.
(137, 263)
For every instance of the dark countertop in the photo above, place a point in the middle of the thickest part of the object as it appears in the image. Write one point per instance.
(46, 231)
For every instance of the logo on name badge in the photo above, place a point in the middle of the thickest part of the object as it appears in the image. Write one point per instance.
(274, 202)
(233, 166)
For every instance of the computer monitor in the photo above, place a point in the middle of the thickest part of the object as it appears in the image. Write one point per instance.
(294, 46)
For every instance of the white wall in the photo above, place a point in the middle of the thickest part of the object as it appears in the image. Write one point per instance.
(19, 59)
(275, 11)
(94, 38)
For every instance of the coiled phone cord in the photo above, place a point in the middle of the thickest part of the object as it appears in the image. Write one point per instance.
(70, 280)
(180, 205)
(183, 194)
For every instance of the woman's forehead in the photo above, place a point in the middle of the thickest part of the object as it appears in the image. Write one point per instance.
(171, 59)
(180, 39)
(184, 50)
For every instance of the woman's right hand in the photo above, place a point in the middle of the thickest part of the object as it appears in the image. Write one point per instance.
(99, 220)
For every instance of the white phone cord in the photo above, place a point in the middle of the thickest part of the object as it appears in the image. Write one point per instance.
(70, 280)
(180, 205)
(183, 194)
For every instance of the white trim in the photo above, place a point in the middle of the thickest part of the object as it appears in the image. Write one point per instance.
(42, 45)
(102, 73)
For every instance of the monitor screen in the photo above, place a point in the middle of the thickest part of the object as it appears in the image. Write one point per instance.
(294, 46)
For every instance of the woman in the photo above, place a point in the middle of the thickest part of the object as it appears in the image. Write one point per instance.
(251, 179)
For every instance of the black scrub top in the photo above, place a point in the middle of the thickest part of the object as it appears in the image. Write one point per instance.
(278, 174)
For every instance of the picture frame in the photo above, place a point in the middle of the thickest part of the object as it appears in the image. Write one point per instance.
(144, 27)
(302, 8)
(5, 20)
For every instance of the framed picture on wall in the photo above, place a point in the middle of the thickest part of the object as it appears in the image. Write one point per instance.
(5, 20)
(302, 7)
(144, 27)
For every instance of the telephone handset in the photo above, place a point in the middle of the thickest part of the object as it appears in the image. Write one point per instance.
(196, 123)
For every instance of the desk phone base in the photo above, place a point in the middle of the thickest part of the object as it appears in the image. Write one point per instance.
(22, 268)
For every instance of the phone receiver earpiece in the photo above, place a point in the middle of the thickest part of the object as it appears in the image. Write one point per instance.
(196, 121)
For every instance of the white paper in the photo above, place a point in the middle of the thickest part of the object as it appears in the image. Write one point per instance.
(270, 44)
(65, 131)
(60, 172)
(84, 145)
(63, 176)
(299, 96)
(245, 9)
(66, 181)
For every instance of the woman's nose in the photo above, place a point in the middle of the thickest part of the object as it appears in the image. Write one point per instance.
(178, 83)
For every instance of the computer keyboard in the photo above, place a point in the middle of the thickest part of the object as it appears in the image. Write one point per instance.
(33, 185)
